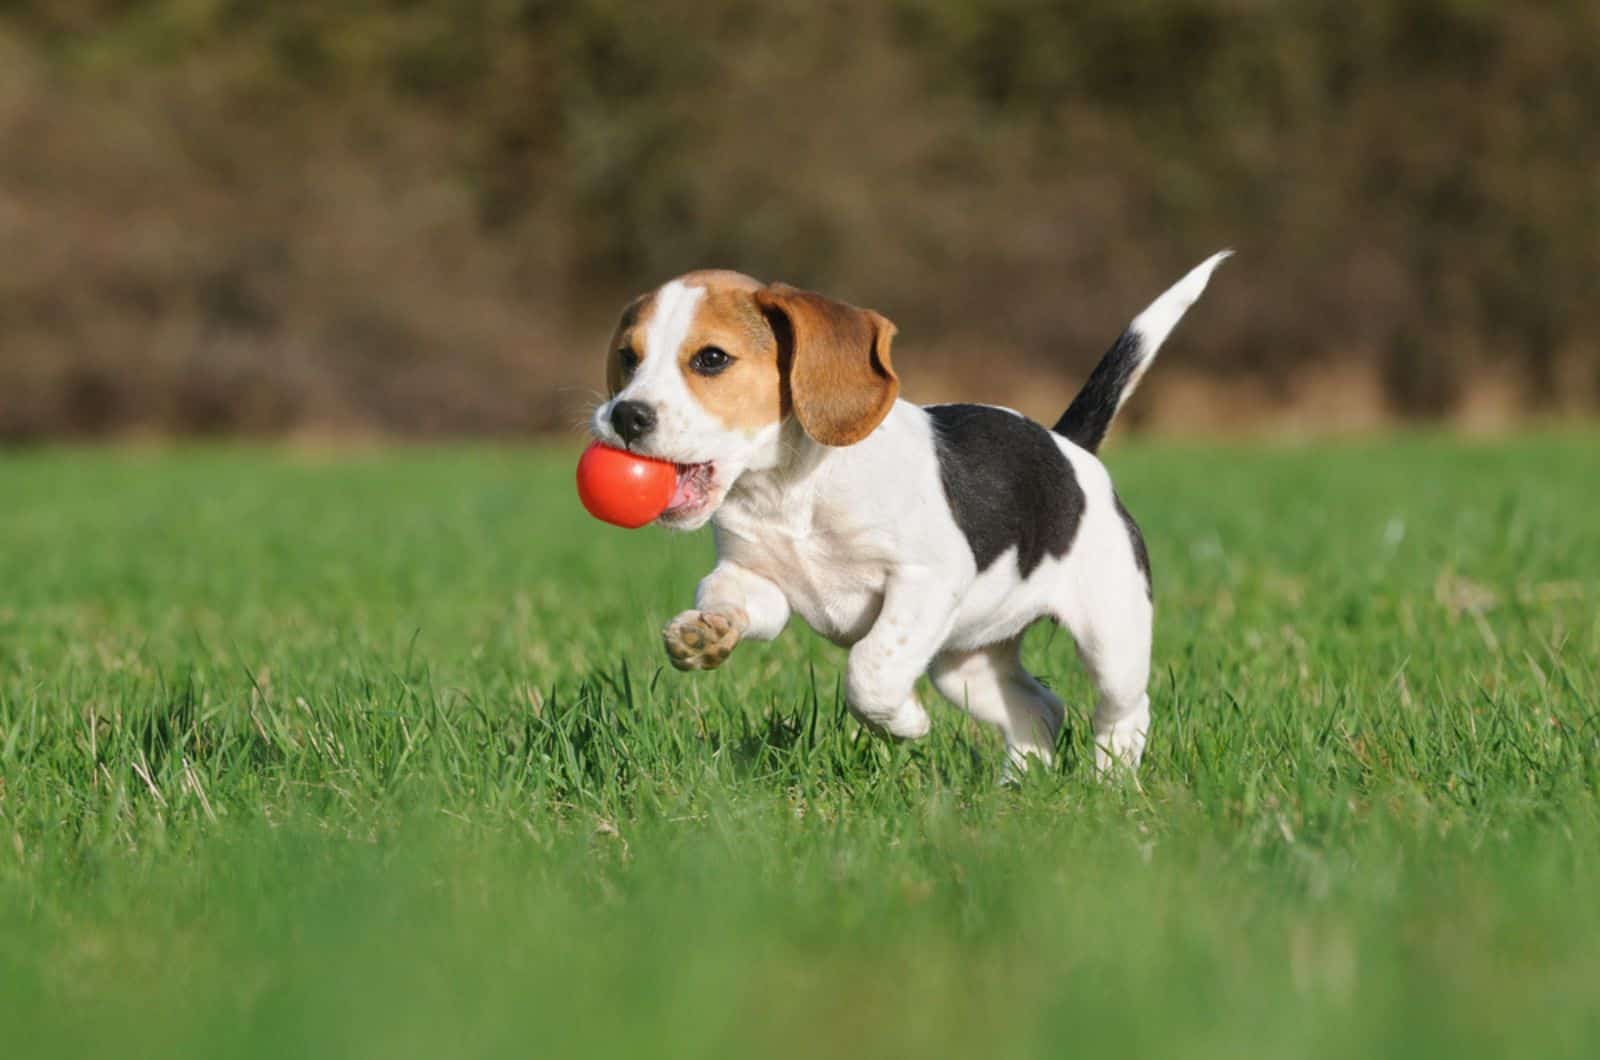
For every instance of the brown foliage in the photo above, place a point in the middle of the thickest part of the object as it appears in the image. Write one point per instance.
(420, 217)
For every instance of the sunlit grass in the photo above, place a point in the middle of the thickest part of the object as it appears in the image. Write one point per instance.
(376, 755)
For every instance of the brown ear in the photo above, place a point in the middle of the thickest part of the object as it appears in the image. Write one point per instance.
(841, 382)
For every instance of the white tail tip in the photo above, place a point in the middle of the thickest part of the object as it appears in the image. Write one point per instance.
(1162, 315)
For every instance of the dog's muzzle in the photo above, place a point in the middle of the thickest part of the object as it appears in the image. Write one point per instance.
(632, 420)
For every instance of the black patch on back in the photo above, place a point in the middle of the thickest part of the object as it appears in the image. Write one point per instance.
(1008, 484)
(1141, 555)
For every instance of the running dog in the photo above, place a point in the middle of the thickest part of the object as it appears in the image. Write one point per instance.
(923, 539)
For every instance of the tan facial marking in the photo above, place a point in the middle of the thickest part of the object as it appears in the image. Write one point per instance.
(628, 335)
(748, 395)
(840, 382)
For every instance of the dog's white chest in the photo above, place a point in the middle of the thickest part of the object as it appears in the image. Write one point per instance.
(833, 578)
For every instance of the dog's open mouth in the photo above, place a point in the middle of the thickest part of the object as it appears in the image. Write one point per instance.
(694, 493)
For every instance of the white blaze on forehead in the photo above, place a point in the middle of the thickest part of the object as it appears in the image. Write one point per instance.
(669, 325)
(683, 432)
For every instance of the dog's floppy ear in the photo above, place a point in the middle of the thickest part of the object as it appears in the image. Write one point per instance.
(836, 357)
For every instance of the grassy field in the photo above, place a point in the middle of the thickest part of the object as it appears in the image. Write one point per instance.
(375, 755)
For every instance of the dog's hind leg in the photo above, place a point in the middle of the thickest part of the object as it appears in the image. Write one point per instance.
(991, 685)
(1113, 635)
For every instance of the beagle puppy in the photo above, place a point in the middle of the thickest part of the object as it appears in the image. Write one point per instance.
(925, 540)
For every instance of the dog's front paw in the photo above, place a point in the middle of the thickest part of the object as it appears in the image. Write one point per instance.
(700, 640)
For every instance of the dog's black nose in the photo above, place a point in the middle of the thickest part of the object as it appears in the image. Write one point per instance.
(632, 420)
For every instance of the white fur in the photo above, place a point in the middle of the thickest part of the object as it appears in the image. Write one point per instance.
(1161, 316)
(861, 543)
(685, 432)
(659, 383)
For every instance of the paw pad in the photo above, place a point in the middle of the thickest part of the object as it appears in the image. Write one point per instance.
(699, 640)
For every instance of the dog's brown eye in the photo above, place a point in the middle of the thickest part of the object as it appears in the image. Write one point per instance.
(627, 359)
(709, 360)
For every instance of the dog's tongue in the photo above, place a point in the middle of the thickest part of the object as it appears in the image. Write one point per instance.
(691, 487)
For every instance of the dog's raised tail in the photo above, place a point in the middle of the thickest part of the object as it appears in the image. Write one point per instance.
(1115, 378)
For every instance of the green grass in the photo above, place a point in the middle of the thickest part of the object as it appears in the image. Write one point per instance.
(375, 755)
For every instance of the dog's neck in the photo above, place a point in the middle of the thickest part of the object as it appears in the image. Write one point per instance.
(800, 462)
(807, 472)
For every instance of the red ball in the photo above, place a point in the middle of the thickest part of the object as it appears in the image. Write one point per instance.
(623, 489)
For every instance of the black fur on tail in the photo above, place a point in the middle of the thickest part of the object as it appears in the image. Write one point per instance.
(1089, 417)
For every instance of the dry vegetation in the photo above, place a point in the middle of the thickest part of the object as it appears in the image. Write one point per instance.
(417, 216)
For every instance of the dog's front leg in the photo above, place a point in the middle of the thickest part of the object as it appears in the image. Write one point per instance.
(918, 611)
(730, 603)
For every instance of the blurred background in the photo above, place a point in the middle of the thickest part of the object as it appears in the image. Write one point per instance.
(419, 217)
